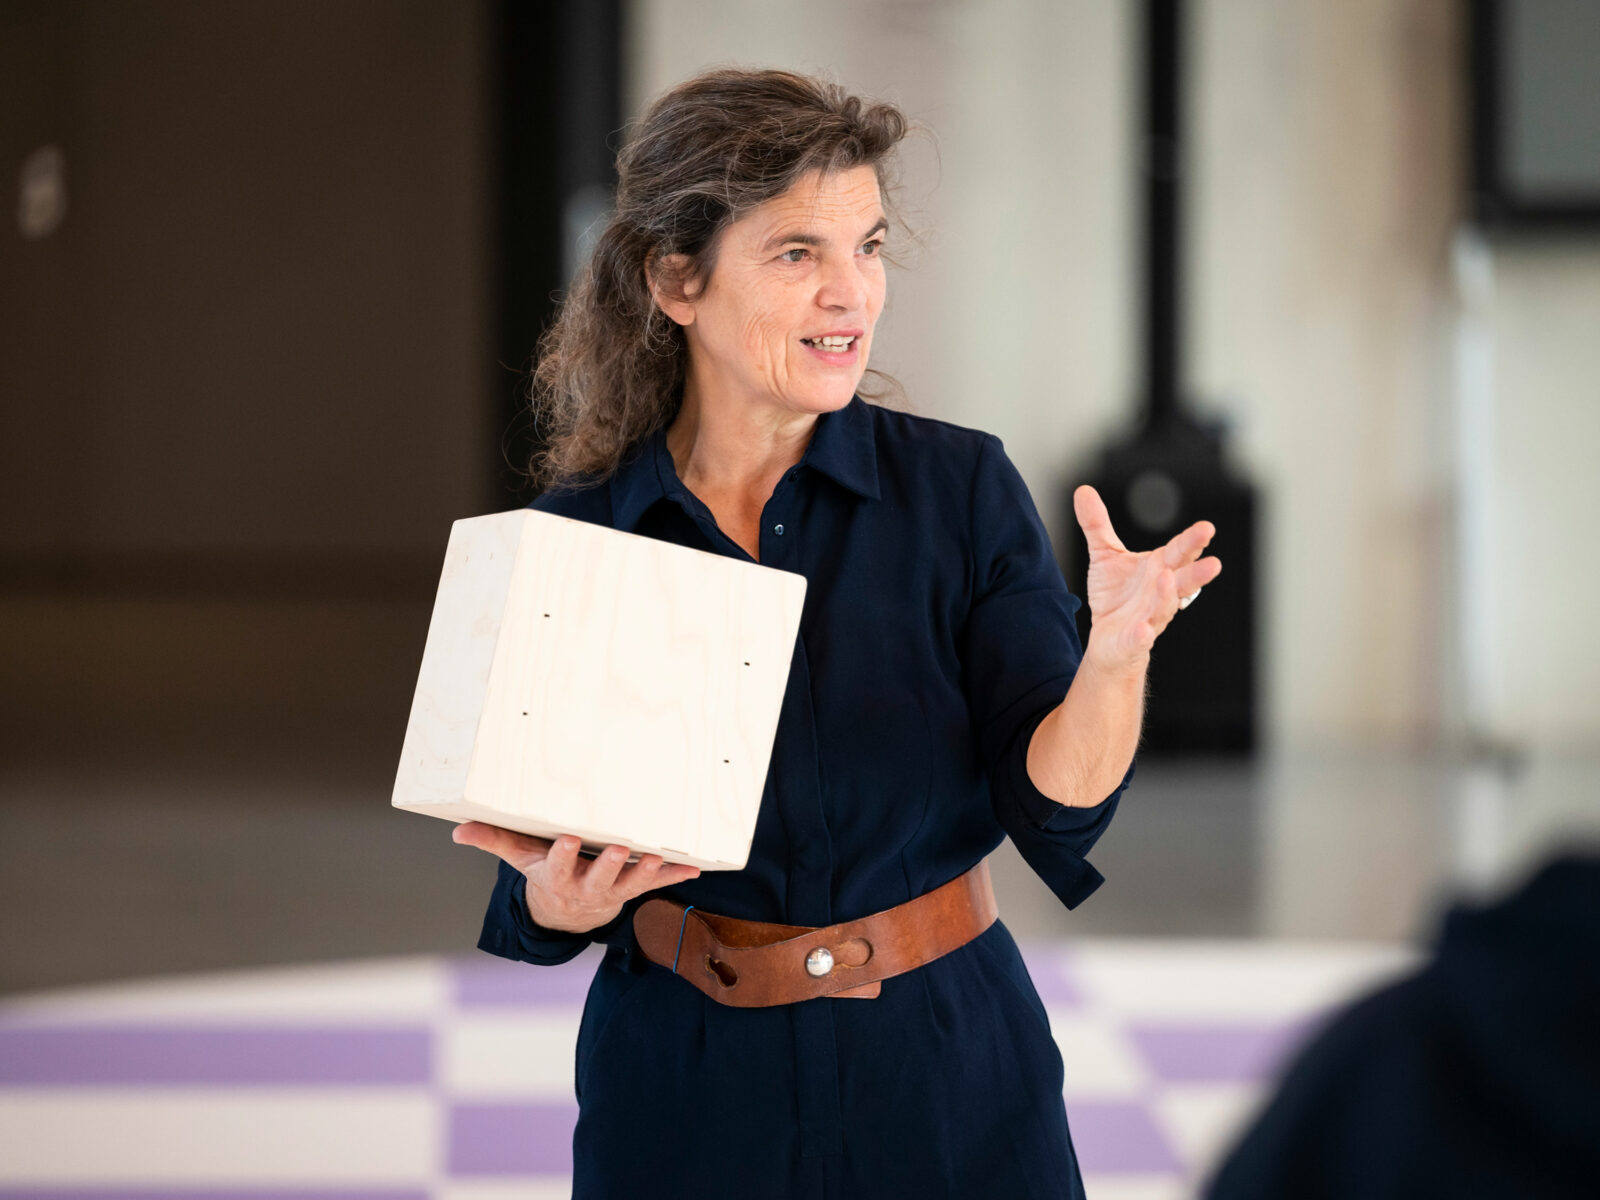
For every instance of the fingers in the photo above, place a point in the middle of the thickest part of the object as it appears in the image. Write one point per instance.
(1180, 554)
(589, 893)
(601, 873)
(604, 881)
(651, 872)
(518, 849)
(610, 877)
(1186, 546)
(561, 867)
(1192, 578)
(1095, 520)
(1162, 587)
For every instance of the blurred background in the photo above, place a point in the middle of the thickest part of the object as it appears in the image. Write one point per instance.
(272, 276)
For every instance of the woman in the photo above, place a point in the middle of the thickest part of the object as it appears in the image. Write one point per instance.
(701, 387)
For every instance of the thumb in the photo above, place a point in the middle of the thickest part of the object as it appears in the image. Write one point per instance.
(1095, 520)
(518, 849)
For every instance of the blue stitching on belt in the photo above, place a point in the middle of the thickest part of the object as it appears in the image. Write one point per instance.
(680, 940)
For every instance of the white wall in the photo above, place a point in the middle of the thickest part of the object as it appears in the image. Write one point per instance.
(1325, 193)
(1329, 164)
(1544, 322)
(1325, 174)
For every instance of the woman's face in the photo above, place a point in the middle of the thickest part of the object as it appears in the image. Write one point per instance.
(786, 318)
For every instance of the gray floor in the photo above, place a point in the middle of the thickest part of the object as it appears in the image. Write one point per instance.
(119, 869)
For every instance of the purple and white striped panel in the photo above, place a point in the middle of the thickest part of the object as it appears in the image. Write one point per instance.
(452, 1079)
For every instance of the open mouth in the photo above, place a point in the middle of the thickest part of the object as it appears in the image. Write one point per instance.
(831, 344)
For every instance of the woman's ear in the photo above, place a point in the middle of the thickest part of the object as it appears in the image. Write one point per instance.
(667, 276)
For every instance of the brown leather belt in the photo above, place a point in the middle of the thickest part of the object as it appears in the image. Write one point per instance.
(753, 964)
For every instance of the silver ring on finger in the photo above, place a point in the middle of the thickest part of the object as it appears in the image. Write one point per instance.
(1185, 601)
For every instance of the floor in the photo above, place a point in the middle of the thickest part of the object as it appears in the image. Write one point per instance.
(242, 980)
(450, 1078)
(128, 869)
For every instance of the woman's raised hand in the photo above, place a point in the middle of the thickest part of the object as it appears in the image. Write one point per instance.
(1133, 594)
(566, 891)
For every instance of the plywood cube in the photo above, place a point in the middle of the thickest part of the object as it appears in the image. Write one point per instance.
(580, 680)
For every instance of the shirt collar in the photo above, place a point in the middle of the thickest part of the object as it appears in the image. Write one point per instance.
(843, 447)
(636, 485)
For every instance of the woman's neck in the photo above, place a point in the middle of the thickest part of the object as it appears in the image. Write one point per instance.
(735, 448)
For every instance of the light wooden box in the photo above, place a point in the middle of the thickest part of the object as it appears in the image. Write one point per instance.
(580, 680)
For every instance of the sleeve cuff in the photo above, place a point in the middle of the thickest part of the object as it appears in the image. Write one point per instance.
(1052, 838)
(509, 931)
(1039, 810)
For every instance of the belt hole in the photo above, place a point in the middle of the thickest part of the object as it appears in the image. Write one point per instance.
(725, 974)
(857, 952)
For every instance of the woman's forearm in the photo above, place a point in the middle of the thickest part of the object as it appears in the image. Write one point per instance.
(1081, 751)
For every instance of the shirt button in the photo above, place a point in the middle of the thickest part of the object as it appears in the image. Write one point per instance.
(778, 529)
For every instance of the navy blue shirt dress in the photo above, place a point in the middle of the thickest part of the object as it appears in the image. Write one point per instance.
(937, 633)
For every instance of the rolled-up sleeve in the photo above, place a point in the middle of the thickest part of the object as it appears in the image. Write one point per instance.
(511, 932)
(1019, 652)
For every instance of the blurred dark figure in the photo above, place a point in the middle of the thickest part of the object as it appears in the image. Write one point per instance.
(1478, 1076)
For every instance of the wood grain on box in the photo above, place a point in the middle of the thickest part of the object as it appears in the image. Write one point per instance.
(580, 680)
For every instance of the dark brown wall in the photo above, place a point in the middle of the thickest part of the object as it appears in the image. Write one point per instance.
(262, 322)
(247, 383)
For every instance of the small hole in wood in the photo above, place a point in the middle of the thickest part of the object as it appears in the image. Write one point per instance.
(725, 974)
(747, 664)
(524, 714)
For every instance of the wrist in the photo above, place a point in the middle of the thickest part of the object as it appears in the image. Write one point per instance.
(1102, 660)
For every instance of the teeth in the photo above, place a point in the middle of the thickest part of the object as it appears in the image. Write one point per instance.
(832, 343)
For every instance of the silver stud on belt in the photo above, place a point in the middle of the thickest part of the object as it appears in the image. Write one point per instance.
(819, 962)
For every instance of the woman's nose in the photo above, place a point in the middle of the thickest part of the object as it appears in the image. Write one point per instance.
(843, 287)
